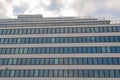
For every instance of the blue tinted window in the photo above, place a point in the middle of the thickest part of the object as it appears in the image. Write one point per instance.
(1, 61)
(51, 61)
(89, 50)
(36, 73)
(21, 73)
(112, 73)
(100, 61)
(117, 73)
(31, 73)
(75, 61)
(42, 50)
(70, 50)
(80, 61)
(55, 73)
(84, 50)
(105, 61)
(115, 61)
(41, 73)
(113, 50)
(106, 73)
(65, 73)
(61, 61)
(56, 61)
(75, 73)
(70, 73)
(42, 61)
(85, 73)
(80, 73)
(103, 50)
(93, 49)
(47, 50)
(118, 49)
(60, 73)
(70, 61)
(101, 73)
(96, 73)
(90, 61)
(50, 73)
(37, 61)
(75, 49)
(29, 50)
(85, 61)
(65, 61)
(38, 50)
(52, 50)
(65, 50)
(32, 61)
(95, 61)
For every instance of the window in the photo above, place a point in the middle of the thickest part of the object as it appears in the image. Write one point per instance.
(42, 61)
(47, 61)
(60, 73)
(85, 73)
(65, 73)
(31, 72)
(45, 73)
(56, 61)
(1, 61)
(26, 73)
(55, 73)
(14, 61)
(10, 61)
(75, 73)
(50, 73)
(70, 61)
(106, 73)
(12, 73)
(96, 73)
(41, 73)
(21, 73)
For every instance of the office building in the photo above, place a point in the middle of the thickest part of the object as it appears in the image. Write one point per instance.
(33, 47)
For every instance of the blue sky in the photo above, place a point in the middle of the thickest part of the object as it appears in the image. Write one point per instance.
(110, 9)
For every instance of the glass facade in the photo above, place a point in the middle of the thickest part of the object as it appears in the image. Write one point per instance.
(86, 39)
(59, 30)
(61, 73)
(60, 61)
(59, 48)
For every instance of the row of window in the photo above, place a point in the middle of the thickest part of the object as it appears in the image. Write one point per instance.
(60, 50)
(60, 73)
(86, 39)
(60, 30)
(58, 23)
(59, 61)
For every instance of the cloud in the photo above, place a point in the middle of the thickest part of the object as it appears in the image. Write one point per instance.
(51, 8)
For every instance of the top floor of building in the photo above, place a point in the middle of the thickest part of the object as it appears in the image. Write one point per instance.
(39, 20)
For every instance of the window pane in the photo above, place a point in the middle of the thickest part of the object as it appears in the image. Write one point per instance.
(45, 73)
(55, 73)
(50, 73)
(12, 73)
(56, 61)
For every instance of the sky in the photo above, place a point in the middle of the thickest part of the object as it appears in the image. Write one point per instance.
(110, 9)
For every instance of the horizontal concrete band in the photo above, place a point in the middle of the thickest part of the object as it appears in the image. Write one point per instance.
(96, 55)
(60, 26)
(50, 78)
(59, 45)
(59, 67)
(61, 35)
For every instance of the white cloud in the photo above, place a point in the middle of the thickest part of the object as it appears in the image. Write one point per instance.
(113, 4)
(63, 8)
(68, 12)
